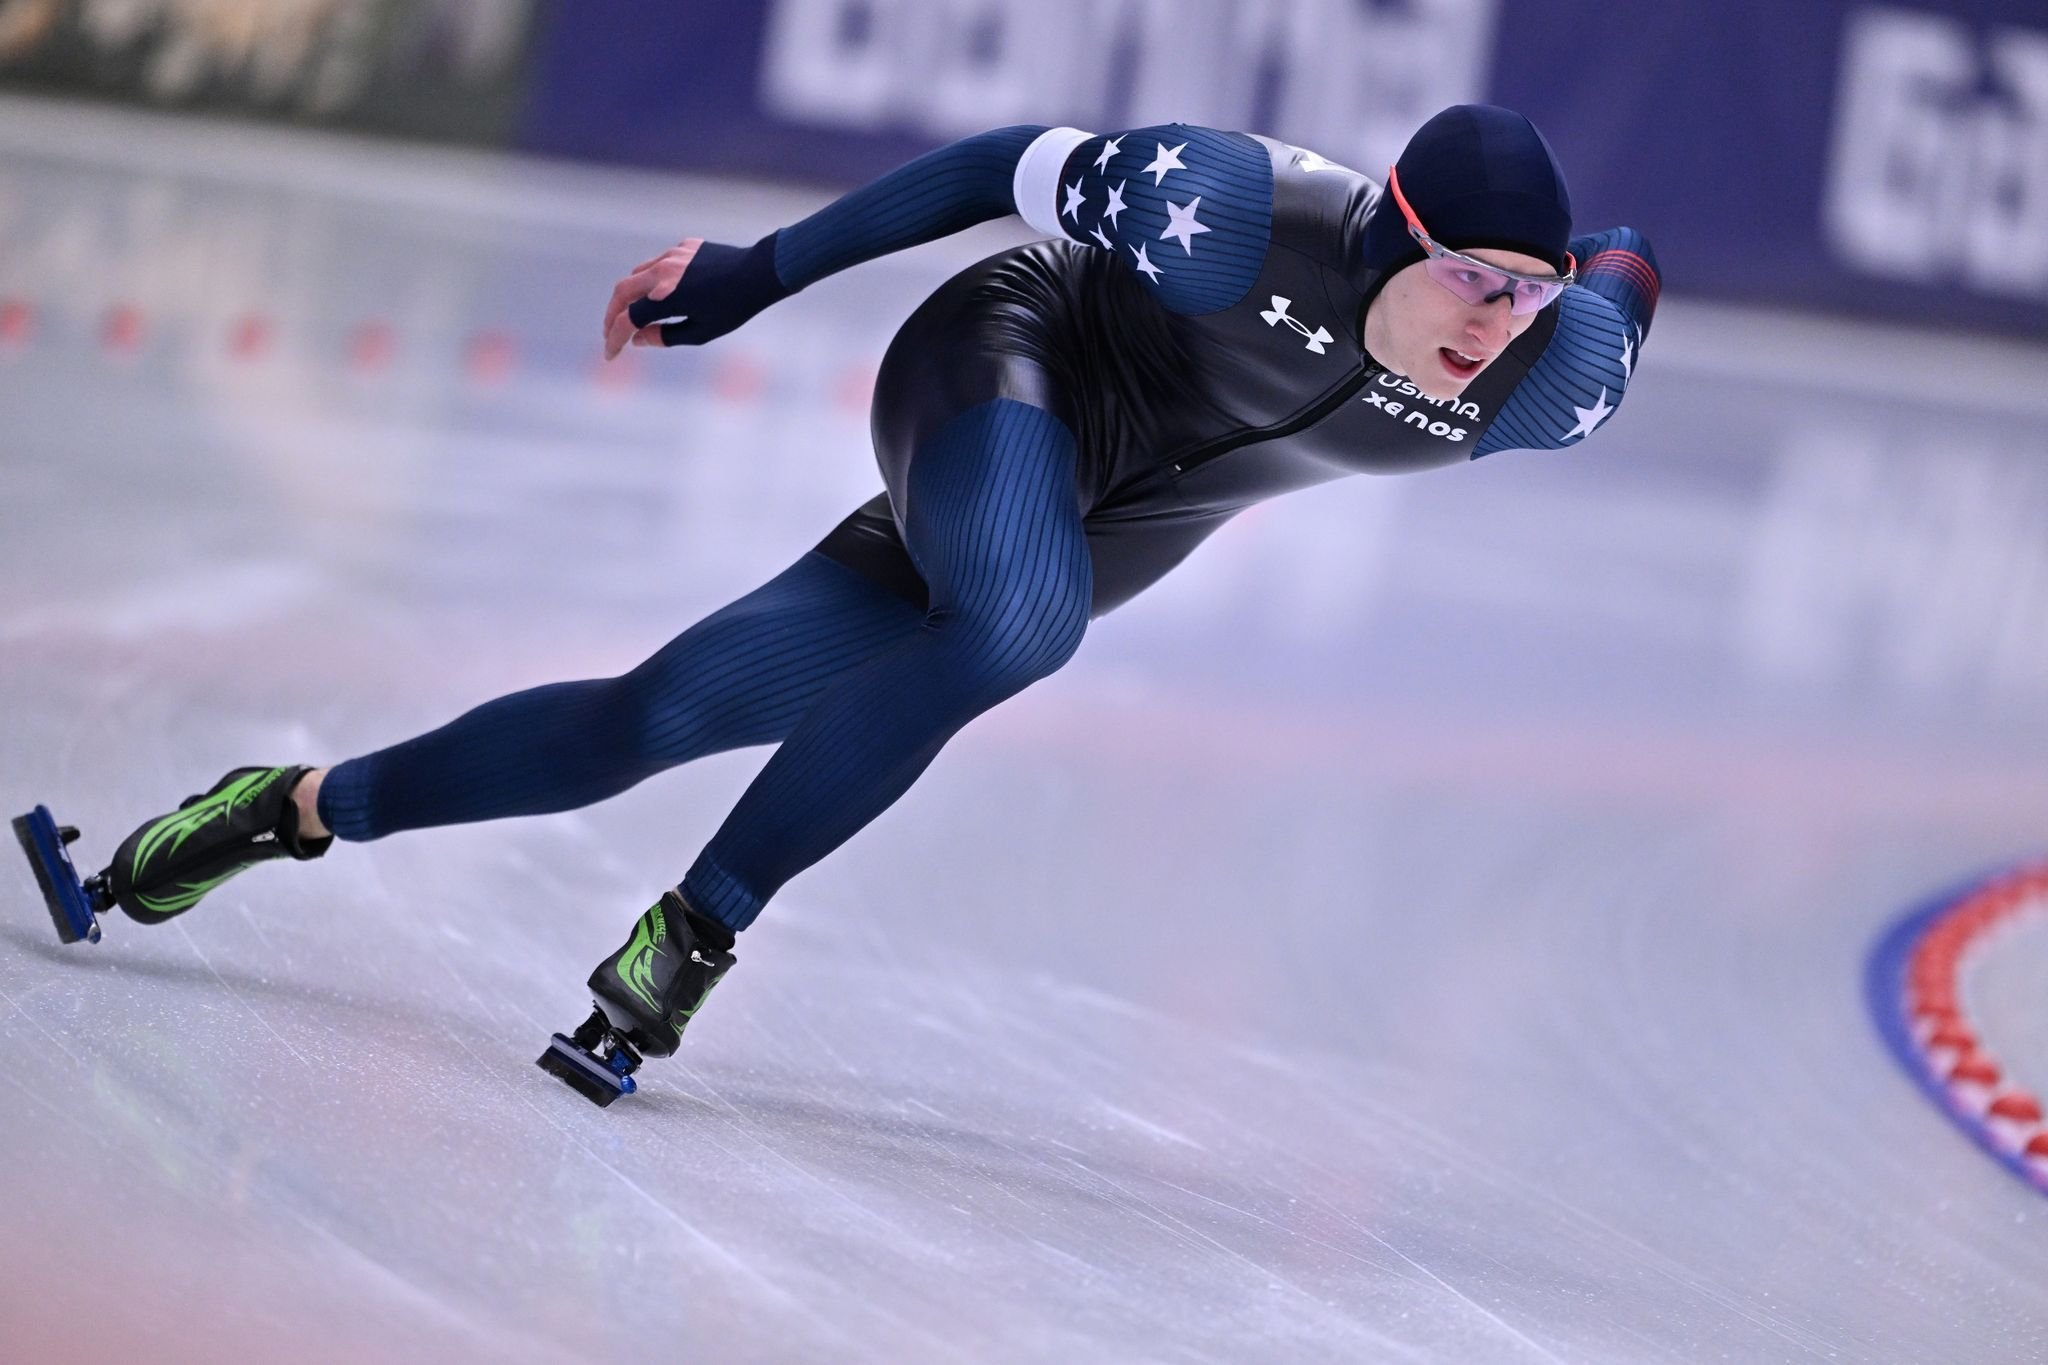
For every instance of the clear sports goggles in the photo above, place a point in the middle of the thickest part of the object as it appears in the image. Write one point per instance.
(1474, 281)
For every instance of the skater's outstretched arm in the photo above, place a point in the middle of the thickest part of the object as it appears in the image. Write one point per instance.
(699, 290)
(940, 193)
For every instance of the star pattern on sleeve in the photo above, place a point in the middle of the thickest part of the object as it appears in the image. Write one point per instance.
(1167, 160)
(1589, 418)
(1116, 202)
(1095, 202)
(1181, 225)
(1628, 357)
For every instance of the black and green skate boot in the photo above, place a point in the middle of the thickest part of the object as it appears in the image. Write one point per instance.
(249, 817)
(646, 993)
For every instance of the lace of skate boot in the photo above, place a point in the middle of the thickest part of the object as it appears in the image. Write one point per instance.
(248, 817)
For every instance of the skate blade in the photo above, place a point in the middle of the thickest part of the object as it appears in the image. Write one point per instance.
(585, 1074)
(63, 893)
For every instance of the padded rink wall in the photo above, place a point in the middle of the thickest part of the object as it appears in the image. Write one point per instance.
(1917, 988)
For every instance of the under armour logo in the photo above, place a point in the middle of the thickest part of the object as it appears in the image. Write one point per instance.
(1278, 314)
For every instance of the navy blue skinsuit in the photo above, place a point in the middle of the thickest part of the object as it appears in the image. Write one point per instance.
(1230, 371)
(1057, 427)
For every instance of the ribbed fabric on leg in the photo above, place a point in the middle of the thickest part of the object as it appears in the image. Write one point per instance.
(741, 676)
(994, 525)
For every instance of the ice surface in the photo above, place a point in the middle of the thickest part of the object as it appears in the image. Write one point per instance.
(1427, 927)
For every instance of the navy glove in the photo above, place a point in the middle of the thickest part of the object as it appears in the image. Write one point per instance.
(721, 288)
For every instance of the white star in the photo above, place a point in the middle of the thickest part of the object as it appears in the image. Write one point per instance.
(1074, 201)
(1312, 162)
(1590, 417)
(1628, 357)
(1181, 225)
(1145, 266)
(1096, 233)
(1109, 149)
(1167, 160)
(1116, 203)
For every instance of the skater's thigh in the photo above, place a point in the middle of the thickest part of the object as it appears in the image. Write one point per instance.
(991, 514)
(751, 668)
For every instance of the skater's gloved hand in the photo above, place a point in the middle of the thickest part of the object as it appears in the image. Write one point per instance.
(691, 293)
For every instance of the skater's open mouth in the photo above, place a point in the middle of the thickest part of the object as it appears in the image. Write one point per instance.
(1459, 364)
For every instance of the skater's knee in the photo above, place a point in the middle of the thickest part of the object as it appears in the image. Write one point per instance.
(1009, 640)
(687, 702)
(611, 725)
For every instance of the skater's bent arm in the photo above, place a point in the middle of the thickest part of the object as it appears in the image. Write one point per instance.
(1619, 266)
(1586, 368)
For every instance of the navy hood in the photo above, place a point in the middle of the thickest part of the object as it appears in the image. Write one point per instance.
(1477, 176)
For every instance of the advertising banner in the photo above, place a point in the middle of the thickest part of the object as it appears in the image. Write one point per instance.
(1887, 160)
(449, 69)
(1883, 159)
(841, 90)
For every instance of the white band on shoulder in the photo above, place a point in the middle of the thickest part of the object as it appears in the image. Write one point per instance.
(1036, 185)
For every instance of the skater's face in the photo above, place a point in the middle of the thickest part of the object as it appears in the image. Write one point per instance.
(1422, 331)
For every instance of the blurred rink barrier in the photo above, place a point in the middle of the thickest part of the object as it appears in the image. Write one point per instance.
(1882, 160)
(453, 69)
